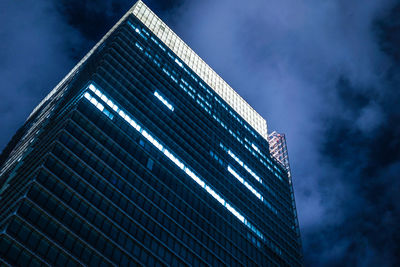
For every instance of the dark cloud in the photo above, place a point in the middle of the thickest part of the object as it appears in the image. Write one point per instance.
(324, 72)
(362, 140)
(35, 53)
(92, 18)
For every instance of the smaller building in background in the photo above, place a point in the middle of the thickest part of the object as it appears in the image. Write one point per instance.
(278, 149)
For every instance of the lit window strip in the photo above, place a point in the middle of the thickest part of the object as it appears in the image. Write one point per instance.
(172, 157)
(98, 105)
(236, 158)
(139, 46)
(248, 186)
(245, 183)
(179, 63)
(164, 101)
(254, 175)
(256, 148)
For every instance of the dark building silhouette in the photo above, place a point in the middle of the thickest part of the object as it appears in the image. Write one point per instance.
(143, 155)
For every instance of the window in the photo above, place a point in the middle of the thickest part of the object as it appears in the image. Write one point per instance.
(164, 100)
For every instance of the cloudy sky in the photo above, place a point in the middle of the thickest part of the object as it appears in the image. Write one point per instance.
(326, 73)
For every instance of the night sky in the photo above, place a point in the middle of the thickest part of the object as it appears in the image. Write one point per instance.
(325, 73)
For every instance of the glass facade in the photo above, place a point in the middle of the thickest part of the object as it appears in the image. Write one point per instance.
(136, 158)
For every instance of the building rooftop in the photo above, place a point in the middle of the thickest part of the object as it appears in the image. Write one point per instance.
(202, 69)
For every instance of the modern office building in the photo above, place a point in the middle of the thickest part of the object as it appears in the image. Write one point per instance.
(143, 155)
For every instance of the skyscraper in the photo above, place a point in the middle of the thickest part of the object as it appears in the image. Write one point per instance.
(143, 155)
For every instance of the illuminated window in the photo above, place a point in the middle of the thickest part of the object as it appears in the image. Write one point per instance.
(179, 63)
(164, 101)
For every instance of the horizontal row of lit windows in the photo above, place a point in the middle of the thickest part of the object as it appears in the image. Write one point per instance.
(178, 62)
(163, 100)
(256, 148)
(245, 183)
(186, 90)
(188, 85)
(238, 160)
(139, 46)
(98, 105)
(254, 191)
(174, 159)
(252, 173)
